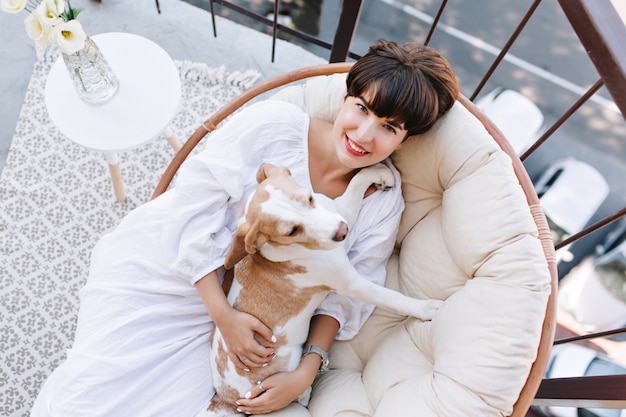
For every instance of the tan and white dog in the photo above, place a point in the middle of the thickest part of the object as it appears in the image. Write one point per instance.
(289, 254)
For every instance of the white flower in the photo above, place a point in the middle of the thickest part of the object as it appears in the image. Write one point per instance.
(55, 7)
(49, 12)
(12, 6)
(70, 36)
(37, 31)
(50, 22)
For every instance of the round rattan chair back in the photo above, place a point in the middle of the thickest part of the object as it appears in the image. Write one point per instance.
(547, 336)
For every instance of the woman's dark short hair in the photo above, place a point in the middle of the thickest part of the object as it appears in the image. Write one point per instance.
(411, 84)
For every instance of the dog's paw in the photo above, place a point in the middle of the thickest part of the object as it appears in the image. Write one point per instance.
(427, 308)
(380, 176)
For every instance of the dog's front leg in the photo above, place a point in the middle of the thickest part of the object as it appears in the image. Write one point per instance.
(349, 204)
(352, 284)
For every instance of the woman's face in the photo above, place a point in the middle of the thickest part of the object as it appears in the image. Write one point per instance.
(362, 137)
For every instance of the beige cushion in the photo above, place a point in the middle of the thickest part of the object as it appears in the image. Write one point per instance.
(466, 237)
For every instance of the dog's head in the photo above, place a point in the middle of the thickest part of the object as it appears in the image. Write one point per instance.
(282, 213)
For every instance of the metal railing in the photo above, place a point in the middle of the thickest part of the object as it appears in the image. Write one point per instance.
(340, 46)
(602, 33)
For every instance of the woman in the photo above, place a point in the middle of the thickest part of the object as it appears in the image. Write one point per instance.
(142, 340)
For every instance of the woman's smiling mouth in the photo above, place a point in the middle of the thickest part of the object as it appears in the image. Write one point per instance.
(355, 149)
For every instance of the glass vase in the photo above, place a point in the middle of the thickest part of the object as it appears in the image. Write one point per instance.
(93, 79)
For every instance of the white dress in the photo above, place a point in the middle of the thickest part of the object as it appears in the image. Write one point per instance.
(142, 341)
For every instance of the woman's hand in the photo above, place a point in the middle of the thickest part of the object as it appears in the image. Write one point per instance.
(281, 389)
(238, 330)
(274, 392)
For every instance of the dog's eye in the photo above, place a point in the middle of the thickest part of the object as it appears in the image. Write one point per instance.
(294, 230)
(311, 200)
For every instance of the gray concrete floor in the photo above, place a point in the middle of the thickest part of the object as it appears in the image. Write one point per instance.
(183, 30)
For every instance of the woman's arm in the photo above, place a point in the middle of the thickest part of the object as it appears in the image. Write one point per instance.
(283, 388)
(236, 327)
(322, 333)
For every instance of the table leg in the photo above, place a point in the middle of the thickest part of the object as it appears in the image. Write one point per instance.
(116, 176)
(172, 139)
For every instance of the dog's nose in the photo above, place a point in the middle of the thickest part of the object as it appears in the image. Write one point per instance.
(342, 232)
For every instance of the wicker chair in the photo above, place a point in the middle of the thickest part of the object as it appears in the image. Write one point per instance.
(537, 368)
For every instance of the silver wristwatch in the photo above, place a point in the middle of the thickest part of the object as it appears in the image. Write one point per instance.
(321, 352)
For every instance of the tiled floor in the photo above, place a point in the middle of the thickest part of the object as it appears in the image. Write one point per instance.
(183, 30)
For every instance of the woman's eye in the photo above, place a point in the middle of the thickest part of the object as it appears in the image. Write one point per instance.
(362, 107)
(390, 129)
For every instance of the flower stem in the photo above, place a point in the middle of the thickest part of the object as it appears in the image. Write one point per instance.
(79, 75)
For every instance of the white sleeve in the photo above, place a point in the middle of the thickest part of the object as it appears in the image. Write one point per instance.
(200, 223)
(375, 231)
(212, 186)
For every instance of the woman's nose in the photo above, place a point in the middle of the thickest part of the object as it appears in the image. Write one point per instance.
(366, 131)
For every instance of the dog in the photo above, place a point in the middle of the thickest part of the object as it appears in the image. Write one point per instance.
(286, 251)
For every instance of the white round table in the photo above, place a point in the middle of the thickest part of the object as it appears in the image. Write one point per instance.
(141, 111)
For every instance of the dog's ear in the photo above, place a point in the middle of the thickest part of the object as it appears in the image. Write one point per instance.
(267, 170)
(247, 240)
(237, 249)
(262, 172)
(254, 239)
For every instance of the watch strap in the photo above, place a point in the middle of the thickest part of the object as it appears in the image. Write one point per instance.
(322, 354)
